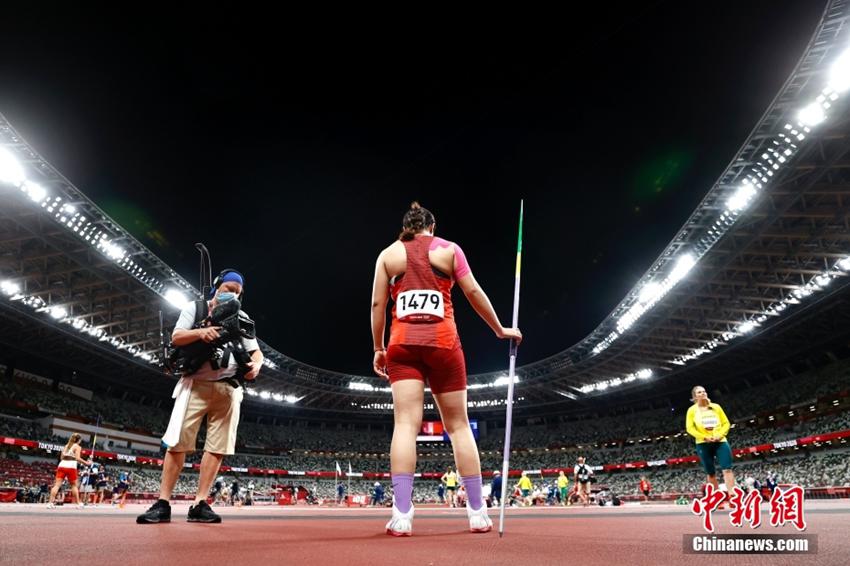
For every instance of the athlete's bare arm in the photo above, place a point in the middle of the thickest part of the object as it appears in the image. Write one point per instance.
(481, 303)
(380, 297)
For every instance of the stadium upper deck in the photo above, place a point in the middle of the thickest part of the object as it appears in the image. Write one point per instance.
(755, 275)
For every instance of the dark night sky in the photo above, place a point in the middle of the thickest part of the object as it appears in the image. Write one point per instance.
(298, 156)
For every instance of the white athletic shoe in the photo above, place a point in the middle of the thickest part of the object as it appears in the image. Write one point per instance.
(50, 506)
(401, 525)
(479, 521)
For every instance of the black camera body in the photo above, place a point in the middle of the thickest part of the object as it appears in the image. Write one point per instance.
(233, 326)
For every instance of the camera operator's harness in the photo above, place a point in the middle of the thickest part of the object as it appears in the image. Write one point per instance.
(234, 325)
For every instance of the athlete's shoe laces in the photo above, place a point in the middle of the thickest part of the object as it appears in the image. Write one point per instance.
(479, 521)
(401, 525)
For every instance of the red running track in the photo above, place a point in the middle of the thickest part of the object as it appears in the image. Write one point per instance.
(639, 535)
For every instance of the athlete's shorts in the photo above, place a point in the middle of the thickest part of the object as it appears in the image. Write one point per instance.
(443, 369)
(646, 492)
(526, 492)
(67, 473)
(708, 451)
(121, 488)
(451, 487)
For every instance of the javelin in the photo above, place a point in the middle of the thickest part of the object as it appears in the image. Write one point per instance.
(511, 373)
(94, 438)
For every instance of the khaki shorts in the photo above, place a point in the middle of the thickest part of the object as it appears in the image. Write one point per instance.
(220, 403)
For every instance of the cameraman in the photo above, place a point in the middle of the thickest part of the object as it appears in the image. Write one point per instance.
(207, 392)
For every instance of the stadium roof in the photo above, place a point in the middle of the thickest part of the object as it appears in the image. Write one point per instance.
(757, 269)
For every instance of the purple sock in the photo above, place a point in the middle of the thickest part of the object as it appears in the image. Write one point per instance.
(472, 485)
(403, 491)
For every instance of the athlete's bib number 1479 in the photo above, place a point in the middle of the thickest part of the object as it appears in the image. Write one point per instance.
(420, 305)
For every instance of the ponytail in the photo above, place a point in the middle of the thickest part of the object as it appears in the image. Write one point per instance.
(76, 437)
(415, 220)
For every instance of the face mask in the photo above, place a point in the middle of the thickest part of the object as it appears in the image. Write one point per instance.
(225, 296)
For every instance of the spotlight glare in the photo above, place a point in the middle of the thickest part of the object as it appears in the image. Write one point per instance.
(58, 312)
(649, 292)
(683, 266)
(10, 288)
(176, 298)
(10, 170)
(741, 198)
(812, 115)
(35, 191)
(839, 75)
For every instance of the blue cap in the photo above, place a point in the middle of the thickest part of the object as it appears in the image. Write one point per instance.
(234, 277)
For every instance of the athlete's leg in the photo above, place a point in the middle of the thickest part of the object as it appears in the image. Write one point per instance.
(729, 479)
(55, 489)
(452, 406)
(408, 403)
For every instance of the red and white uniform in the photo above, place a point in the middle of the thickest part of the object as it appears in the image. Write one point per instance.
(424, 343)
(67, 468)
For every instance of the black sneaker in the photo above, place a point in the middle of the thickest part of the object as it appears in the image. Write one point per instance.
(160, 512)
(202, 513)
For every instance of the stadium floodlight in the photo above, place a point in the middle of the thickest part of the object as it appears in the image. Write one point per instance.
(683, 266)
(746, 327)
(176, 298)
(10, 170)
(360, 386)
(291, 399)
(839, 74)
(78, 323)
(265, 395)
(10, 288)
(650, 292)
(114, 251)
(741, 198)
(504, 380)
(823, 280)
(252, 392)
(644, 373)
(35, 191)
(277, 397)
(58, 312)
(812, 115)
(843, 264)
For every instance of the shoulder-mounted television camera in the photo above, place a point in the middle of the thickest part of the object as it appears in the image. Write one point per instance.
(233, 325)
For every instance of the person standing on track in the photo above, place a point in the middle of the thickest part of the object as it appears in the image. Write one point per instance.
(418, 271)
(67, 468)
(211, 394)
(525, 486)
(708, 424)
(563, 482)
(449, 479)
(582, 478)
(645, 487)
(496, 489)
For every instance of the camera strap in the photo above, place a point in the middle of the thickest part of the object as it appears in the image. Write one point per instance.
(202, 310)
(225, 357)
